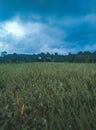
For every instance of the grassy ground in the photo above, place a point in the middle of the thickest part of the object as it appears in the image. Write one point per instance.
(48, 96)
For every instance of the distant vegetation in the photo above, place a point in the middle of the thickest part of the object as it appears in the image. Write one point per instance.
(80, 57)
(47, 96)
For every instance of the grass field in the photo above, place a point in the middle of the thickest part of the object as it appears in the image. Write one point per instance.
(48, 96)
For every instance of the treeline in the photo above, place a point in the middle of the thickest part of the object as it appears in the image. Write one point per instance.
(80, 57)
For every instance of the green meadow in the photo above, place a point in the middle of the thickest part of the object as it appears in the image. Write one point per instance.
(48, 96)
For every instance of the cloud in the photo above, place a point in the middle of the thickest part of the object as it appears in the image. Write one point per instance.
(47, 25)
(3, 46)
(27, 37)
(90, 47)
(46, 7)
(61, 51)
(49, 34)
(12, 28)
(72, 21)
(75, 21)
(80, 30)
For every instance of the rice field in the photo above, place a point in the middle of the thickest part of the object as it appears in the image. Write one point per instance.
(48, 96)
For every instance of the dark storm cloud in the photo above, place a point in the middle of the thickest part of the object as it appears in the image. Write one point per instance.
(47, 25)
(9, 8)
(83, 31)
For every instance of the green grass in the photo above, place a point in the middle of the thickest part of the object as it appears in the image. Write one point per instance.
(48, 96)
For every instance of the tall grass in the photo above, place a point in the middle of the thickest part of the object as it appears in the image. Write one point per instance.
(48, 96)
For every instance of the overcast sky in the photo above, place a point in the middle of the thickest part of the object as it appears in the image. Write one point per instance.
(34, 26)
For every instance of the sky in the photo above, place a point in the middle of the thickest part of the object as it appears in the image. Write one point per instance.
(35, 26)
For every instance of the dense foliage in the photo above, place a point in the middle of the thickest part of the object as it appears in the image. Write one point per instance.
(48, 96)
(81, 57)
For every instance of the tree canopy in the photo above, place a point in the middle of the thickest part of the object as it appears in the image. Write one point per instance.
(80, 57)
